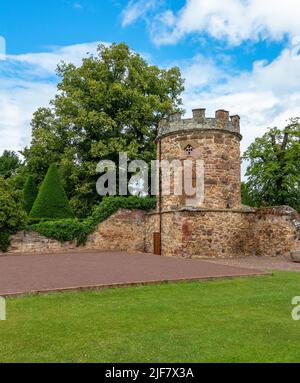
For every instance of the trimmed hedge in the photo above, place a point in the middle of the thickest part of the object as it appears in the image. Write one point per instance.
(30, 193)
(75, 229)
(52, 201)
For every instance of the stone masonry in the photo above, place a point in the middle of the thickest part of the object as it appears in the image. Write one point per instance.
(123, 231)
(225, 234)
(215, 141)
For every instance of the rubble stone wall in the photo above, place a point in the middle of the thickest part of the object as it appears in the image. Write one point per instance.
(124, 231)
(227, 234)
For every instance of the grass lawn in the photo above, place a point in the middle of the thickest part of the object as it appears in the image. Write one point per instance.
(240, 320)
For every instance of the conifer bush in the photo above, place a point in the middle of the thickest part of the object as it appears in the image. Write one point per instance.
(30, 193)
(51, 201)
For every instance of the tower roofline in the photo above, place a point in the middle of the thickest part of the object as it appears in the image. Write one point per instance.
(222, 121)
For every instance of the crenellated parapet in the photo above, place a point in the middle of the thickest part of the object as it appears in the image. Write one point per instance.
(222, 121)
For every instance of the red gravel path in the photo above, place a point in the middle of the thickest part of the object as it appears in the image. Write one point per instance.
(42, 273)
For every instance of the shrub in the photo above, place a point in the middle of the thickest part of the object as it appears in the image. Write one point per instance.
(12, 215)
(74, 229)
(30, 193)
(64, 230)
(52, 201)
(110, 205)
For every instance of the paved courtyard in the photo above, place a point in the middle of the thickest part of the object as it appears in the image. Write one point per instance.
(21, 274)
(261, 263)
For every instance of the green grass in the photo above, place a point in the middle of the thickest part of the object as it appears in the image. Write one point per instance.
(240, 320)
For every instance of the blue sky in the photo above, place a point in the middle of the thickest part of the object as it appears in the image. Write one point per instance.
(235, 54)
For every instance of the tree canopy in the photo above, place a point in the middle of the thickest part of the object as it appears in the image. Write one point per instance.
(112, 103)
(274, 168)
(9, 163)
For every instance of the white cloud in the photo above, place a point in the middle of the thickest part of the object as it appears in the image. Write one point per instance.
(45, 63)
(78, 6)
(17, 104)
(265, 97)
(233, 20)
(27, 82)
(136, 10)
(201, 72)
(2, 48)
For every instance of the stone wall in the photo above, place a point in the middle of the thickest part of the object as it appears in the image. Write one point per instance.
(34, 243)
(196, 233)
(124, 231)
(226, 234)
(276, 231)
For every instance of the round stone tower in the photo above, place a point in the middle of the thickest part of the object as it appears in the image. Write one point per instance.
(213, 141)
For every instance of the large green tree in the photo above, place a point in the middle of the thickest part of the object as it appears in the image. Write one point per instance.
(273, 173)
(112, 103)
(9, 164)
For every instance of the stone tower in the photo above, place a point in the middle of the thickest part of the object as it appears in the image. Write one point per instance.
(215, 141)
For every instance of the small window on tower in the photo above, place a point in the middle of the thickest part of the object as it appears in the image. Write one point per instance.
(189, 150)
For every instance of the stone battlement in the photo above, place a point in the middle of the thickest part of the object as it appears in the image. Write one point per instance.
(221, 121)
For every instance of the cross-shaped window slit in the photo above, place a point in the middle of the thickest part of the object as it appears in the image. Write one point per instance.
(189, 150)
